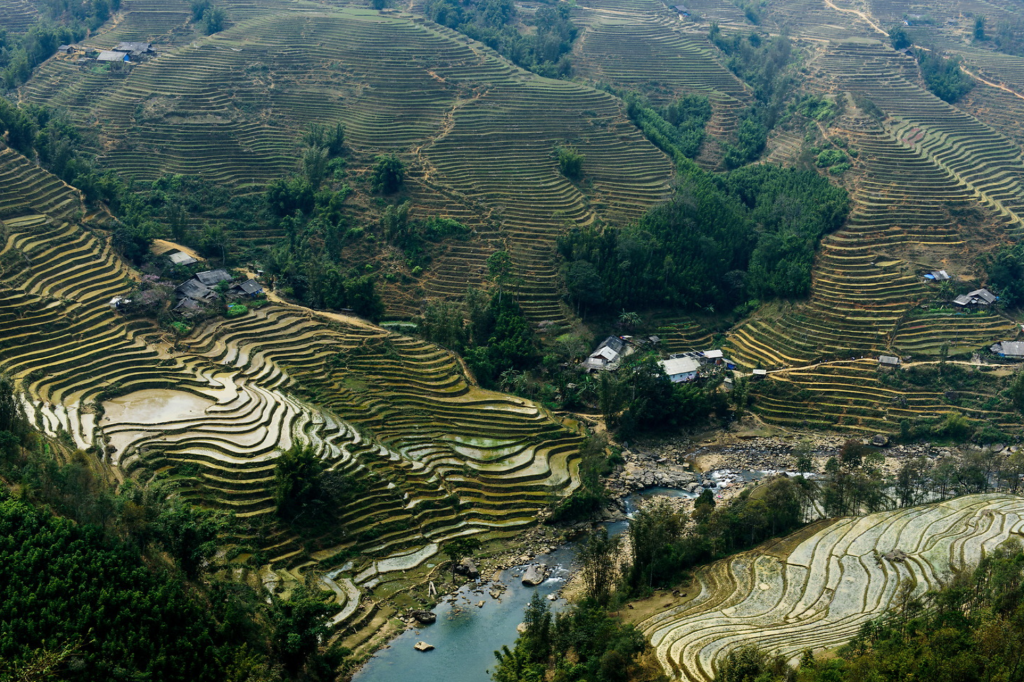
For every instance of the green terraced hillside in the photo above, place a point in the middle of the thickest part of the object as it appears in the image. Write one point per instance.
(438, 457)
(478, 134)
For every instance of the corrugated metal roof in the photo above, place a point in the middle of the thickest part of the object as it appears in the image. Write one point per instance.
(111, 56)
(679, 366)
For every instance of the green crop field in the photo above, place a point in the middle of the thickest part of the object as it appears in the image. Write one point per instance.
(478, 134)
(439, 458)
(932, 185)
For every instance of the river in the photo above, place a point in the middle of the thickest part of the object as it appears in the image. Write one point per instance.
(465, 637)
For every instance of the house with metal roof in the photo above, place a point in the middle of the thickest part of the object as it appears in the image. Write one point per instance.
(213, 277)
(134, 49)
(249, 287)
(195, 290)
(681, 370)
(181, 258)
(978, 297)
(112, 56)
(1011, 350)
(607, 355)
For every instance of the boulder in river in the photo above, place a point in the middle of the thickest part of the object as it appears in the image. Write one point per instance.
(425, 617)
(535, 575)
(423, 646)
(468, 569)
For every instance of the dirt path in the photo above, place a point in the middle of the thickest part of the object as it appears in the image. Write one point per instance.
(991, 83)
(829, 363)
(860, 14)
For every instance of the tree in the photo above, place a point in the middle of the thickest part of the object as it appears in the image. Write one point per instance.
(388, 174)
(597, 557)
(214, 19)
(189, 534)
(300, 624)
(537, 637)
(177, 218)
(570, 162)
(12, 419)
(443, 324)
(500, 269)
(296, 480)
(979, 28)
(314, 164)
(899, 38)
(364, 298)
(199, 8)
(803, 456)
(1017, 390)
(583, 284)
(653, 528)
(395, 222)
(751, 664)
(460, 548)
(331, 139)
(629, 320)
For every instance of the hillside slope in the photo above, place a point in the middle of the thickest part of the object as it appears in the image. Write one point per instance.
(437, 457)
(478, 134)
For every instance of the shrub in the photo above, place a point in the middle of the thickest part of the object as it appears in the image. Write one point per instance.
(388, 174)
(236, 310)
(570, 163)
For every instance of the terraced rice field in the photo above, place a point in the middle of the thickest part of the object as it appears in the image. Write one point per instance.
(18, 15)
(930, 187)
(816, 595)
(649, 52)
(438, 457)
(479, 134)
(854, 396)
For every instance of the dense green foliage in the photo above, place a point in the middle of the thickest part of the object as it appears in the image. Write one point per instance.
(1006, 275)
(501, 339)
(677, 128)
(308, 495)
(117, 584)
(211, 18)
(19, 54)
(640, 397)
(899, 38)
(570, 162)
(721, 241)
(943, 76)
(591, 496)
(62, 583)
(582, 644)
(496, 23)
(767, 66)
(663, 554)
(388, 174)
(970, 630)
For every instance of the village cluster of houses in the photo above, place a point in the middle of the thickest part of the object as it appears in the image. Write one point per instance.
(122, 53)
(200, 288)
(193, 293)
(680, 367)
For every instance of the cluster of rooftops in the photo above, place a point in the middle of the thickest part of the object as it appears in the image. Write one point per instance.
(200, 288)
(190, 295)
(122, 52)
(680, 367)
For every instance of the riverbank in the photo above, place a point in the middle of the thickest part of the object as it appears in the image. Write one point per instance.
(679, 468)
